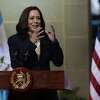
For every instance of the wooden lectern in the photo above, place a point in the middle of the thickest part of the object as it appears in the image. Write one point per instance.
(37, 79)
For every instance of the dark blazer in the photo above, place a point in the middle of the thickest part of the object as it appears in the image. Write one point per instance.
(22, 53)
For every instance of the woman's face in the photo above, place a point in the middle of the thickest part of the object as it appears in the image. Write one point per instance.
(34, 20)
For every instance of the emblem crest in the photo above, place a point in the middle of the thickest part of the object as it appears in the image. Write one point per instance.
(21, 78)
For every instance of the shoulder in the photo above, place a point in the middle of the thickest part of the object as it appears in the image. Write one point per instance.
(13, 39)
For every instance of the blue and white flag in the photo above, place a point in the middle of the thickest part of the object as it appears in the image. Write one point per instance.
(4, 49)
(5, 63)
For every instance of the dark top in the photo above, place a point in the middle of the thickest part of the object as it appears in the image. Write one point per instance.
(22, 53)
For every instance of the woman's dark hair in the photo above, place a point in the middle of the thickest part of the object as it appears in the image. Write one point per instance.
(22, 26)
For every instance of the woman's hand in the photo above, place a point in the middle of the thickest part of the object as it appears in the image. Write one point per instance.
(51, 34)
(36, 35)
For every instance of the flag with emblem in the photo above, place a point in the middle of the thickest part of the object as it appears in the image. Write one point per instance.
(4, 57)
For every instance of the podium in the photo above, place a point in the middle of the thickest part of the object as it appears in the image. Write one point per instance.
(32, 79)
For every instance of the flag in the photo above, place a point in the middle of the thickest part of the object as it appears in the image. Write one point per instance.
(95, 71)
(4, 53)
(4, 49)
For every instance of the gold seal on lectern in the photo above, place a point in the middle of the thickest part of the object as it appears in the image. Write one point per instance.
(21, 78)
